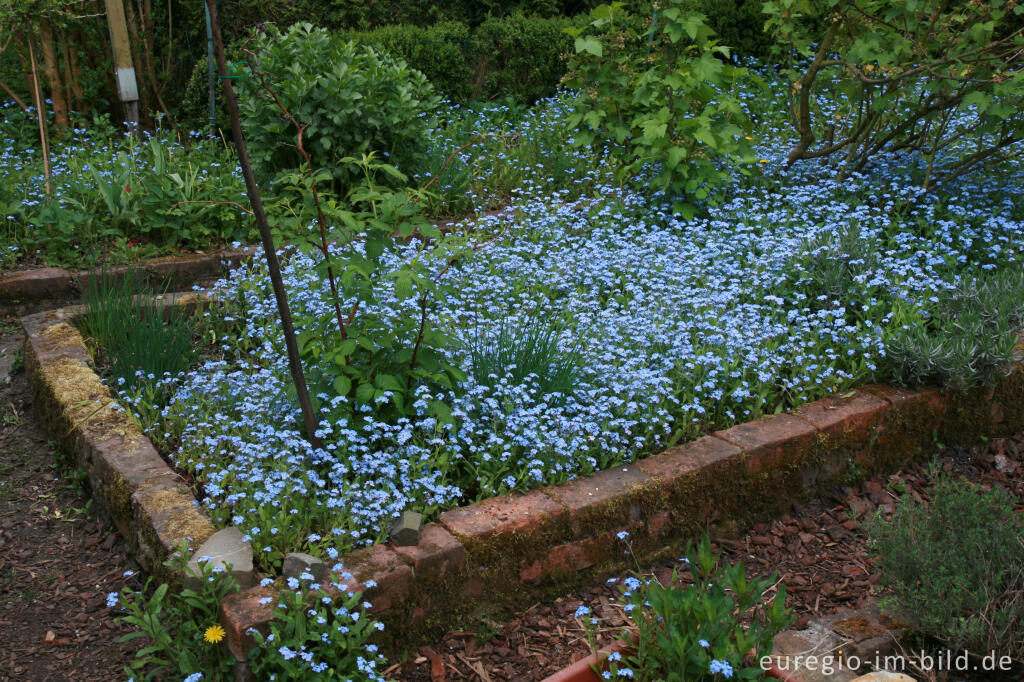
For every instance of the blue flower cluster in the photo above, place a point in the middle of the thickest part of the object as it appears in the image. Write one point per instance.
(684, 325)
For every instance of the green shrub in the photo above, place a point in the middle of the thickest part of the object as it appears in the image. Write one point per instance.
(670, 109)
(739, 25)
(970, 338)
(352, 99)
(955, 566)
(441, 52)
(516, 56)
(520, 56)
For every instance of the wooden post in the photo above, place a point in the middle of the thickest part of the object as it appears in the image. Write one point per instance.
(127, 88)
(44, 137)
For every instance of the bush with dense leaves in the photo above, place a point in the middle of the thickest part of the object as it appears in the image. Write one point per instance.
(956, 566)
(352, 100)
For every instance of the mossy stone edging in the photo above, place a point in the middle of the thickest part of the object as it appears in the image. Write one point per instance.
(27, 287)
(507, 552)
(148, 502)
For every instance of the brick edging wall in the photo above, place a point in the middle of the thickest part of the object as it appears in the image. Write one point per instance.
(507, 552)
(26, 287)
(149, 503)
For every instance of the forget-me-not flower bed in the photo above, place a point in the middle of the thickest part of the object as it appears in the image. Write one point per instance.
(683, 326)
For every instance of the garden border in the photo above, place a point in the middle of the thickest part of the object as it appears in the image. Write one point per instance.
(149, 503)
(41, 285)
(507, 552)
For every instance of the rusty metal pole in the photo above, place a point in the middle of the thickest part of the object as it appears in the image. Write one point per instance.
(127, 87)
(253, 192)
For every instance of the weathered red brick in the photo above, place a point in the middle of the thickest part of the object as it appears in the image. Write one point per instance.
(29, 285)
(681, 461)
(242, 611)
(391, 576)
(566, 558)
(771, 442)
(658, 524)
(901, 396)
(510, 513)
(474, 587)
(607, 494)
(849, 418)
(437, 554)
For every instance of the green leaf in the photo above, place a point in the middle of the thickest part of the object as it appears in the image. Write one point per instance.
(388, 382)
(590, 45)
(430, 230)
(364, 393)
(342, 385)
(403, 287)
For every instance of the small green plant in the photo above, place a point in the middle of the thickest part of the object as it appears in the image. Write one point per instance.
(139, 343)
(181, 626)
(969, 340)
(955, 566)
(524, 348)
(703, 631)
(317, 634)
(834, 265)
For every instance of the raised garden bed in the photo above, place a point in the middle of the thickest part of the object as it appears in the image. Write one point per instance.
(501, 553)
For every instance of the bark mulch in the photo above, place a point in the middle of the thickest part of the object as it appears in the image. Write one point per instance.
(817, 549)
(58, 559)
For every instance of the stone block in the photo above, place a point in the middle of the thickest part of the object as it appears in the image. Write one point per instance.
(405, 531)
(224, 548)
(297, 563)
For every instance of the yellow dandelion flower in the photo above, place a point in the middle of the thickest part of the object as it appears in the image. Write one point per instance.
(213, 634)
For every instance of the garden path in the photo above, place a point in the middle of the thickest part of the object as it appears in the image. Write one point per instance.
(58, 558)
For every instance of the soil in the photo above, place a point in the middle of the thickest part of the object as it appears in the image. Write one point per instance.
(58, 557)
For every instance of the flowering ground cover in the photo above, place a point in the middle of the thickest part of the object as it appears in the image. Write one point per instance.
(657, 329)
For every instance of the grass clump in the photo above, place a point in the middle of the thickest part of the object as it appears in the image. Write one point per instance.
(955, 566)
(519, 350)
(139, 342)
(969, 341)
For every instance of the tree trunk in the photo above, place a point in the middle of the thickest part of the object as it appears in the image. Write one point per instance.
(72, 74)
(51, 67)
